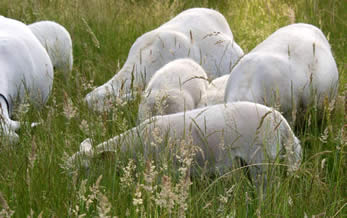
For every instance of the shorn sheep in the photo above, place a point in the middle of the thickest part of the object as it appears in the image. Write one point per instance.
(220, 134)
(177, 86)
(57, 41)
(26, 72)
(292, 69)
(200, 34)
(215, 92)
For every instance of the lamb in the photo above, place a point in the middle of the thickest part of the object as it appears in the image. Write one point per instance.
(180, 85)
(57, 41)
(222, 133)
(200, 34)
(293, 68)
(176, 87)
(26, 72)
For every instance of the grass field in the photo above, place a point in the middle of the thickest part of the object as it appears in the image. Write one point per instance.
(33, 178)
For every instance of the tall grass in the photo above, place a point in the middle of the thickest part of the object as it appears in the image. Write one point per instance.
(34, 182)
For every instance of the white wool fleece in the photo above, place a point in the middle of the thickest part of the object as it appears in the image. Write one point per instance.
(200, 34)
(26, 71)
(222, 133)
(293, 68)
(177, 86)
(57, 41)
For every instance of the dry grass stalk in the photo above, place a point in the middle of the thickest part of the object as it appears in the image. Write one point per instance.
(6, 210)
(91, 33)
(69, 110)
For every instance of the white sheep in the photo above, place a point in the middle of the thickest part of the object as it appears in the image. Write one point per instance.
(180, 85)
(57, 41)
(215, 92)
(26, 72)
(292, 68)
(222, 133)
(200, 34)
(177, 86)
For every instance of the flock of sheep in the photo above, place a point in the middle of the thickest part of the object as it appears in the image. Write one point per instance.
(194, 79)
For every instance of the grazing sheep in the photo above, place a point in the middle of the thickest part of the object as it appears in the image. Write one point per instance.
(200, 34)
(215, 92)
(176, 87)
(26, 72)
(222, 133)
(57, 41)
(293, 67)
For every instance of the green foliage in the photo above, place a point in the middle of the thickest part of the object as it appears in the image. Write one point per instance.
(33, 180)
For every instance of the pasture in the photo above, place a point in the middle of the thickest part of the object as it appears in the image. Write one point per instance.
(36, 181)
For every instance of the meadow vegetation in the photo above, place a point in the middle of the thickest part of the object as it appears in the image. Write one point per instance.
(35, 181)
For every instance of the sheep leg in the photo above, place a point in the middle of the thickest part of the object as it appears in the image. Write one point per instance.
(7, 125)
